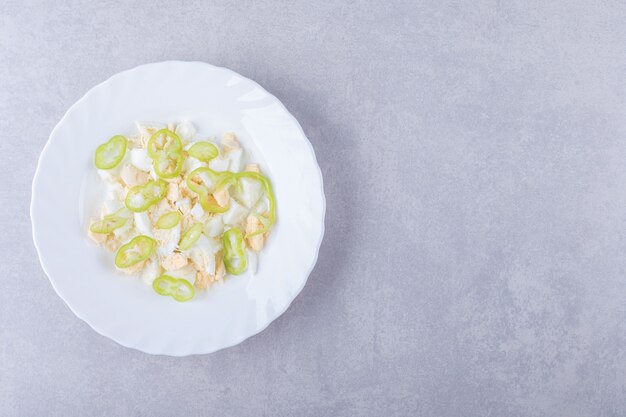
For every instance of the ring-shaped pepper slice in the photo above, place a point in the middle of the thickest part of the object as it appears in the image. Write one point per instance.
(110, 153)
(168, 164)
(191, 236)
(177, 288)
(141, 197)
(168, 220)
(269, 192)
(235, 259)
(163, 140)
(137, 250)
(108, 224)
(203, 151)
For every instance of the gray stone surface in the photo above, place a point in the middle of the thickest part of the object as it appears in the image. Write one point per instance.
(474, 156)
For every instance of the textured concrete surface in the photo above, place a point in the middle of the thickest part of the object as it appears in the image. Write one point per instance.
(474, 156)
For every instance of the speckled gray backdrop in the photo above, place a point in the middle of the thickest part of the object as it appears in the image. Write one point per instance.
(474, 156)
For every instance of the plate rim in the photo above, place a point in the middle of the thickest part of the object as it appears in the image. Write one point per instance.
(45, 149)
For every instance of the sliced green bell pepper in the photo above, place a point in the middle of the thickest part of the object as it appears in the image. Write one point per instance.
(168, 220)
(191, 236)
(269, 192)
(203, 151)
(168, 164)
(177, 288)
(108, 224)
(235, 259)
(141, 197)
(137, 250)
(163, 140)
(111, 153)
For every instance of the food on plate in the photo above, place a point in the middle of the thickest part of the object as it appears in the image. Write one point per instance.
(180, 210)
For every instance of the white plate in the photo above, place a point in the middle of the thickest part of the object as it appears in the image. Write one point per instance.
(122, 307)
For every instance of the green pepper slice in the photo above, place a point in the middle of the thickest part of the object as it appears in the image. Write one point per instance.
(269, 191)
(111, 153)
(108, 224)
(168, 220)
(141, 197)
(177, 288)
(191, 236)
(137, 250)
(203, 151)
(235, 259)
(168, 164)
(204, 180)
(163, 140)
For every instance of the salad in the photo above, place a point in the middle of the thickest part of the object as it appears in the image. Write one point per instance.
(181, 210)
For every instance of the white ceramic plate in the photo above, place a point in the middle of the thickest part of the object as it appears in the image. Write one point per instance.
(123, 308)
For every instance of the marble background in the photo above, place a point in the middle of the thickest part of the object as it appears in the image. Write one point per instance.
(474, 157)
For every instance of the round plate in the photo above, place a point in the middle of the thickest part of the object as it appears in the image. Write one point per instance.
(122, 307)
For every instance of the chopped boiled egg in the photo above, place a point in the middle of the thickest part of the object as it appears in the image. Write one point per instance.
(236, 213)
(111, 206)
(172, 192)
(187, 272)
(251, 191)
(214, 227)
(262, 206)
(202, 254)
(115, 191)
(234, 158)
(252, 168)
(230, 142)
(185, 131)
(167, 240)
(203, 280)
(183, 205)
(133, 176)
(174, 261)
(151, 271)
(143, 224)
(197, 212)
(219, 164)
(140, 159)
